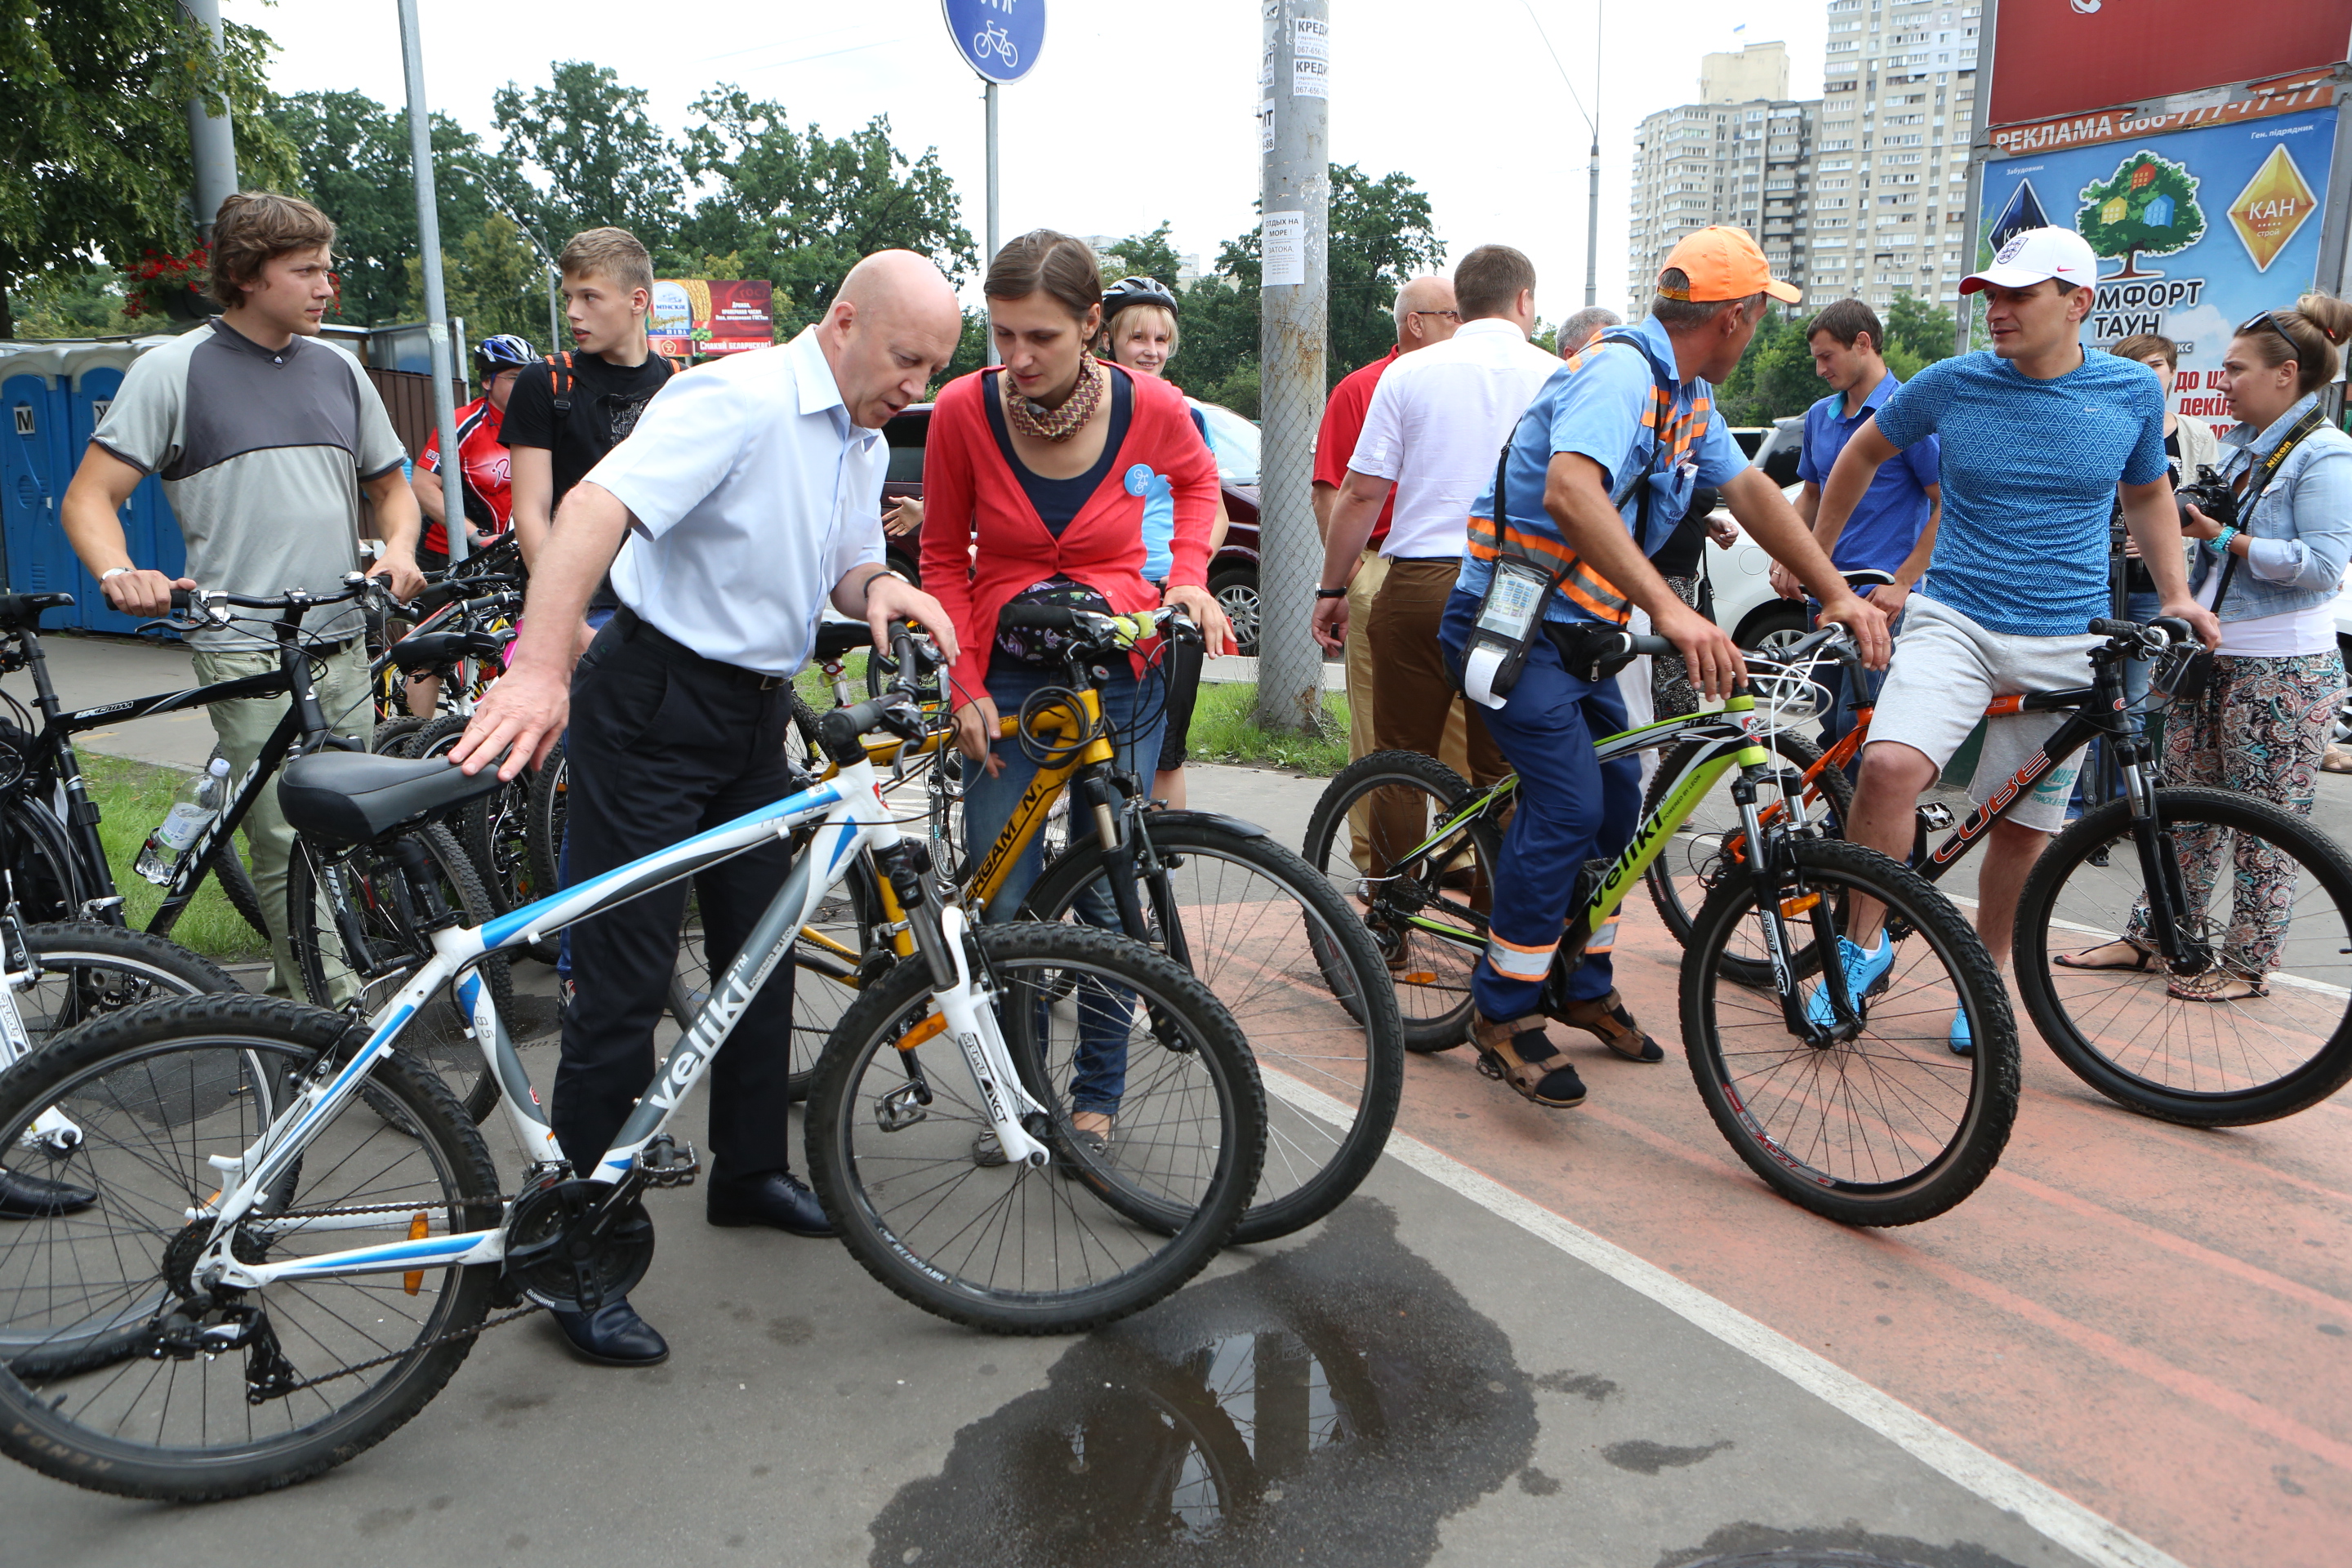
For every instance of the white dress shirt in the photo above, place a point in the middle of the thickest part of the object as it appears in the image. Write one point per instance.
(1438, 421)
(752, 495)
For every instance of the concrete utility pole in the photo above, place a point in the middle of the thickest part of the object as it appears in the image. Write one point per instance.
(210, 138)
(1592, 178)
(437, 303)
(1295, 203)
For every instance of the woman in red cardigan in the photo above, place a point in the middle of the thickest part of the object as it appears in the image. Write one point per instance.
(1037, 475)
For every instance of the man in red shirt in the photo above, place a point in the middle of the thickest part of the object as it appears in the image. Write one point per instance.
(482, 456)
(1424, 315)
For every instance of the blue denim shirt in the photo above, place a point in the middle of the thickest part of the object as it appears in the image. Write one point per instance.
(2301, 525)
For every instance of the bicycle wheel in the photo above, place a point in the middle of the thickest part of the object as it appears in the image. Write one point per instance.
(1885, 1128)
(2281, 918)
(87, 969)
(235, 883)
(43, 874)
(494, 831)
(367, 877)
(542, 825)
(1711, 844)
(157, 1091)
(1008, 1247)
(1428, 920)
(1301, 976)
(391, 735)
(825, 960)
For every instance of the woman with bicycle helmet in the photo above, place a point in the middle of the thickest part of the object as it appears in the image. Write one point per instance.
(1140, 331)
(1042, 478)
(483, 456)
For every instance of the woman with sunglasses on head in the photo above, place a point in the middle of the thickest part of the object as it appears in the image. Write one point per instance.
(1140, 331)
(1042, 478)
(2270, 570)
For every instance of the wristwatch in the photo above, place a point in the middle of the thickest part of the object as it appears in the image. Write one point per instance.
(113, 572)
(1331, 593)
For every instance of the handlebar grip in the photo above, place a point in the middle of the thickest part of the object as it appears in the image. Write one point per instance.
(2181, 633)
(1044, 618)
(841, 732)
(183, 599)
(1652, 646)
(2103, 628)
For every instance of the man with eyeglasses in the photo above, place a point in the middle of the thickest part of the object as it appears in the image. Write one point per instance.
(1424, 315)
(2036, 435)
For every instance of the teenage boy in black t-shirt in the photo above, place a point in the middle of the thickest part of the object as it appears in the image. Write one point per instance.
(613, 373)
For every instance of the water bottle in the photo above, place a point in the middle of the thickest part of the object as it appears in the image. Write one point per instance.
(200, 800)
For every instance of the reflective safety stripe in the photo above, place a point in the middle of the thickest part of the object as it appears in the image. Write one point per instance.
(1605, 938)
(1513, 962)
(1581, 582)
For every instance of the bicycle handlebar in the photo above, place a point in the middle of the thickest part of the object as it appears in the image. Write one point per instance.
(450, 590)
(841, 732)
(1118, 630)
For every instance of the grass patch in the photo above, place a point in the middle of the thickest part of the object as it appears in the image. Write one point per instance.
(1224, 729)
(131, 799)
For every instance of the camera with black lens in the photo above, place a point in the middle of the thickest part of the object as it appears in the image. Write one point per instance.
(2210, 495)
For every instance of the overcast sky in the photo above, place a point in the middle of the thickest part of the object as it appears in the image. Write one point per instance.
(1133, 114)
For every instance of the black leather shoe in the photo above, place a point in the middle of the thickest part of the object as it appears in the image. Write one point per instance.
(774, 1198)
(36, 1197)
(612, 1335)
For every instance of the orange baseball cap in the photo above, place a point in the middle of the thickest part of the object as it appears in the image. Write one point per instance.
(1723, 263)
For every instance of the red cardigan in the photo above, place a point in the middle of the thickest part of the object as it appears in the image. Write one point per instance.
(971, 497)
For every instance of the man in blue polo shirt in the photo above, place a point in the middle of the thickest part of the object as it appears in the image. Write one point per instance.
(1599, 472)
(1893, 529)
(2036, 437)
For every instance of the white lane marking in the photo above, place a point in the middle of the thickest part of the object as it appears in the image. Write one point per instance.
(2061, 1519)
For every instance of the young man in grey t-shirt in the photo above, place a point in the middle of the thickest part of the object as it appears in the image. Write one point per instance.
(263, 441)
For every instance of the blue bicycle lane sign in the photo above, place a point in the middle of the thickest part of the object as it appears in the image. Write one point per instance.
(998, 38)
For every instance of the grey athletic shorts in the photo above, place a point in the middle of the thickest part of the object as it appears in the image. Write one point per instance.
(1948, 669)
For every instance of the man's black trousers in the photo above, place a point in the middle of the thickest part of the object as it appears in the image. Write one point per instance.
(663, 744)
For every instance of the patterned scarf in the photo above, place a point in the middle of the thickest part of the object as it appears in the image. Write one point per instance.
(1037, 420)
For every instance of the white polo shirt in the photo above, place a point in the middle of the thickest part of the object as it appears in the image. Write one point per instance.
(1438, 421)
(752, 495)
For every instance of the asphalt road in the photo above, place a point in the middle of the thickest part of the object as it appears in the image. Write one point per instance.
(1585, 1338)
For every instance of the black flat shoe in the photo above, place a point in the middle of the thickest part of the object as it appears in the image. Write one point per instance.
(773, 1198)
(612, 1335)
(36, 1197)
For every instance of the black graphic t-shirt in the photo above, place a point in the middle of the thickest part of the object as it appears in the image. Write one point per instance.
(606, 399)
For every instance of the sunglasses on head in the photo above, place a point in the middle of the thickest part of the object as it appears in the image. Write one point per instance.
(2267, 320)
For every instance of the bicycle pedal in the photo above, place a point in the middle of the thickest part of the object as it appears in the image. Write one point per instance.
(668, 1164)
(1938, 816)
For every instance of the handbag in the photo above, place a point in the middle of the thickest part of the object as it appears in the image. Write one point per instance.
(1035, 646)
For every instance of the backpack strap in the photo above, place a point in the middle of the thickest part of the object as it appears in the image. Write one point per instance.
(558, 380)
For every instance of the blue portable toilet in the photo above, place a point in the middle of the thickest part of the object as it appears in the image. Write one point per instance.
(148, 530)
(32, 482)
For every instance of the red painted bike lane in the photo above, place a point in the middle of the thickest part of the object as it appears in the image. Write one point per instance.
(2149, 1318)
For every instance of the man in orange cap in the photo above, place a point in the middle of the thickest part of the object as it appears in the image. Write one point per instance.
(1596, 476)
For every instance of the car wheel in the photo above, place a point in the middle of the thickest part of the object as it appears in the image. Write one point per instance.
(1774, 629)
(1235, 588)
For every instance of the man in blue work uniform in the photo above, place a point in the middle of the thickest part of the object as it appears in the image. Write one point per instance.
(1634, 413)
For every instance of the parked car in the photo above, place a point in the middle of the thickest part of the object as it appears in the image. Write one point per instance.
(1233, 573)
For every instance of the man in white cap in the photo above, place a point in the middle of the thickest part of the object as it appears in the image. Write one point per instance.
(2036, 435)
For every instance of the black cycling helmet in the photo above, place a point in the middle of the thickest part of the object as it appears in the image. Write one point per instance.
(502, 351)
(1137, 292)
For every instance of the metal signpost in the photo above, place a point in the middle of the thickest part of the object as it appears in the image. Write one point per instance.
(436, 304)
(211, 139)
(1000, 40)
(1294, 199)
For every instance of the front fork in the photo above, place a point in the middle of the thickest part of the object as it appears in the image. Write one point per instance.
(1780, 902)
(2167, 889)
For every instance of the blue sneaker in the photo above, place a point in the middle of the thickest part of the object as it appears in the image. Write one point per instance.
(1865, 972)
(1962, 1041)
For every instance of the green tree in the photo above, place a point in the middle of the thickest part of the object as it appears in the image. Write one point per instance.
(1774, 378)
(604, 160)
(94, 158)
(1144, 255)
(493, 281)
(1917, 334)
(77, 302)
(2148, 204)
(799, 209)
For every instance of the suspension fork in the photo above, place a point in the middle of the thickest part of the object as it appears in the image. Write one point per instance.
(1766, 864)
(2159, 865)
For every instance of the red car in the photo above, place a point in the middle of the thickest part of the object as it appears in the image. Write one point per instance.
(1232, 573)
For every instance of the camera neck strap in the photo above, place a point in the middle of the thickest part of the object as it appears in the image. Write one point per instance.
(2264, 470)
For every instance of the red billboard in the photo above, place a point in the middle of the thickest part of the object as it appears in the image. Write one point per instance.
(707, 316)
(2060, 56)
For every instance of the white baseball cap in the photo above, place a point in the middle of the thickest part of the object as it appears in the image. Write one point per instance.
(2034, 253)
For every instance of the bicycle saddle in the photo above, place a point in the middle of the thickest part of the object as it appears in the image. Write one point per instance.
(352, 797)
(427, 649)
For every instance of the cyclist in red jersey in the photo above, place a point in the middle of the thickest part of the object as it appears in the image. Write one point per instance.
(484, 467)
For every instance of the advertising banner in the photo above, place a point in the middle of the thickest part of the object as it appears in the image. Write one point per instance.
(2197, 230)
(2060, 57)
(706, 316)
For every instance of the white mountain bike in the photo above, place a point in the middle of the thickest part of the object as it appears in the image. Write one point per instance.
(299, 1233)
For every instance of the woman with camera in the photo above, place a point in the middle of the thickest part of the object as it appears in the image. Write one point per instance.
(2272, 534)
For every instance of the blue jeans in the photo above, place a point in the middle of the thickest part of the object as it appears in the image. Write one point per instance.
(1837, 718)
(1137, 713)
(1572, 808)
(596, 619)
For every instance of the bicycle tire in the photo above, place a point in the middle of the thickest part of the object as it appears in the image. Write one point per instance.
(1896, 1070)
(2230, 1063)
(436, 737)
(437, 1034)
(236, 882)
(391, 735)
(542, 832)
(902, 1224)
(494, 831)
(1429, 939)
(44, 871)
(1712, 843)
(1306, 984)
(68, 1417)
(146, 967)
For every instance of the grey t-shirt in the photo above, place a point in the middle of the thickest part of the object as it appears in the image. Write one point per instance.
(262, 453)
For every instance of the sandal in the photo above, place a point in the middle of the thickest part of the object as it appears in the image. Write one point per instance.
(2215, 985)
(2142, 961)
(1606, 1018)
(1542, 1078)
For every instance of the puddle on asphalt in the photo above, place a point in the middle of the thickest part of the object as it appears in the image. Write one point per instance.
(1334, 1404)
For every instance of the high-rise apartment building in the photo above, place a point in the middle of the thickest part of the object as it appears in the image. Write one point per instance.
(1743, 156)
(1890, 160)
